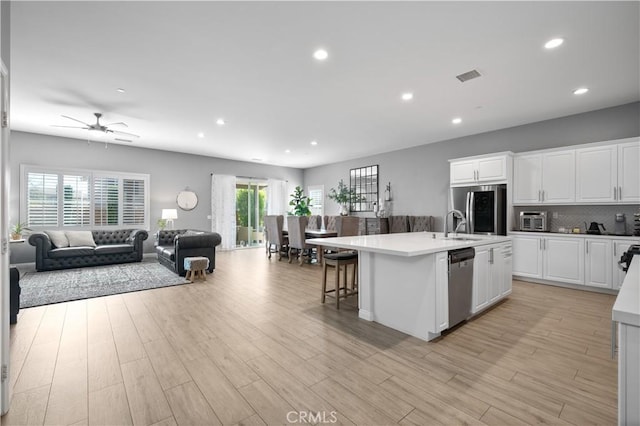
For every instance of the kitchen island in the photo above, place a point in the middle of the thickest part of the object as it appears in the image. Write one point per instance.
(403, 278)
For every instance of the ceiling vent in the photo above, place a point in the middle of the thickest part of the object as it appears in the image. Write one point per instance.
(469, 75)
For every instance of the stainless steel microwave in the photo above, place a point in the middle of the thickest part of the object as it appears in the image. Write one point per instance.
(534, 221)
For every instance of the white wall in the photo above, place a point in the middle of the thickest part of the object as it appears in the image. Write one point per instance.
(170, 173)
(420, 176)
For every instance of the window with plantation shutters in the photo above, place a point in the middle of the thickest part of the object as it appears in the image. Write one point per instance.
(76, 200)
(133, 202)
(83, 199)
(316, 194)
(42, 199)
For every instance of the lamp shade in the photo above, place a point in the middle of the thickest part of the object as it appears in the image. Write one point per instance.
(169, 214)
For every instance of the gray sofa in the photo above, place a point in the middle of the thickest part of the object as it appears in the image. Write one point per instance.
(112, 246)
(173, 245)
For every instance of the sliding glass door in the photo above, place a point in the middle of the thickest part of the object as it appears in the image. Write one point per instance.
(251, 202)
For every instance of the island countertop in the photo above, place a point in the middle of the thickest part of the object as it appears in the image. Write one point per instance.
(627, 306)
(409, 243)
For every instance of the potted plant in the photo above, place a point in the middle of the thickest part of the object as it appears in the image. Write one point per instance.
(300, 203)
(16, 231)
(344, 196)
(162, 223)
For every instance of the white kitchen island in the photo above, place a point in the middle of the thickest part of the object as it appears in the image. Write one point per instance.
(403, 278)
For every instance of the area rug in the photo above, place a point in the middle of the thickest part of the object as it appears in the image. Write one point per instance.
(44, 288)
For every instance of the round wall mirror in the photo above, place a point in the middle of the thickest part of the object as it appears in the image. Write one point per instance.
(187, 200)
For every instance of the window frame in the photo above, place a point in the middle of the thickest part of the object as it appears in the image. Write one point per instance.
(320, 188)
(25, 169)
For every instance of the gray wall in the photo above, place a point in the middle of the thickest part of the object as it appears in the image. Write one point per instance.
(419, 176)
(5, 32)
(170, 173)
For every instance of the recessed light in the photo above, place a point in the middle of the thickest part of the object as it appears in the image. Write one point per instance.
(580, 91)
(201, 135)
(220, 122)
(407, 96)
(287, 151)
(120, 90)
(314, 143)
(553, 43)
(457, 120)
(321, 54)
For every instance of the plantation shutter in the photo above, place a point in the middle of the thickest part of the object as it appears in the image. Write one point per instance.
(316, 194)
(76, 203)
(42, 199)
(133, 202)
(105, 201)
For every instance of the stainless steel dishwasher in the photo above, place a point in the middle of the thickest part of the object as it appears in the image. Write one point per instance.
(460, 284)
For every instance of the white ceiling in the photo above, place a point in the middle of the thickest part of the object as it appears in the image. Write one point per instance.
(184, 65)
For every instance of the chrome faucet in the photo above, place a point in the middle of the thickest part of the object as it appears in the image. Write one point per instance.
(460, 216)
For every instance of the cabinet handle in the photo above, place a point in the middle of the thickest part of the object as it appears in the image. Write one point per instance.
(491, 256)
(543, 195)
(619, 193)
(615, 193)
(540, 243)
(615, 250)
(539, 196)
(587, 246)
(614, 338)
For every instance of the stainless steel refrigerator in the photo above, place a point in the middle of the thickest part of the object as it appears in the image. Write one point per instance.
(484, 207)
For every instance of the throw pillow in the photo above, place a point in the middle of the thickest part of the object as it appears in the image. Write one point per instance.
(80, 239)
(58, 238)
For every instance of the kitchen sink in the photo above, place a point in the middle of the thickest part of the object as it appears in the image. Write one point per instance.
(462, 238)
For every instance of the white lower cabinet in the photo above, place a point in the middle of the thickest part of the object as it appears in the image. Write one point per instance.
(491, 276)
(598, 264)
(570, 259)
(442, 292)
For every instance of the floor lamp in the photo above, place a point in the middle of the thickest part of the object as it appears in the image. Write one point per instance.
(169, 215)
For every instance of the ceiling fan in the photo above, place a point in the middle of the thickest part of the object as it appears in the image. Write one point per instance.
(103, 128)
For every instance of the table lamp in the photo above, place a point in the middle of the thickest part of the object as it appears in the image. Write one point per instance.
(169, 215)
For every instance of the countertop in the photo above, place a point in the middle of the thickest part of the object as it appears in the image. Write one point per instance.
(583, 235)
(407, 244)
(627, 306)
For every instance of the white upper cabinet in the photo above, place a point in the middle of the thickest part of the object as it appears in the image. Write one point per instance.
(477, 170)
(629, 172)
(527, 179)
(597, 180)
(559, 177)
(544, 178)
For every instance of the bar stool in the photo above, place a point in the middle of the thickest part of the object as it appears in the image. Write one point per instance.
(337, 260)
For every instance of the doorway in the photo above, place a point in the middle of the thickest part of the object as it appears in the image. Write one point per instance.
(251, 202)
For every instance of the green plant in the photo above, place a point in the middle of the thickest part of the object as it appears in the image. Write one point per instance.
(18, 228)
(300, 203)
(344, 195)
(162, 223)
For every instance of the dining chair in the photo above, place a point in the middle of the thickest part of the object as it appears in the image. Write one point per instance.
(420, 223)
(296, 226)
(330, 222)
(315, 222)
(398, 224)
(348, 226)
(277, 241)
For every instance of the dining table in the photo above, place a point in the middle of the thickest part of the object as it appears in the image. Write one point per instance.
(317, 233)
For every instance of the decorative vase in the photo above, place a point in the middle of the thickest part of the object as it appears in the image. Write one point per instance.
(344, 210)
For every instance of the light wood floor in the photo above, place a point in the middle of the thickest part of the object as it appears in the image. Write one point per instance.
(253, 344)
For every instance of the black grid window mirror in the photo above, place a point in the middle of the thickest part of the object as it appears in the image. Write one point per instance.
(364, 184)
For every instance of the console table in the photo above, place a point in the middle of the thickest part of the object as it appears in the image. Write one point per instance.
(376, 225)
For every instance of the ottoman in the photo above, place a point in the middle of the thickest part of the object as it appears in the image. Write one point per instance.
(195, 267)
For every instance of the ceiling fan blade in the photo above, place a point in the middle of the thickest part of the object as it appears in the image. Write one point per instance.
(117, 132)
(123, 140)
(120, 123)
(82, 122)
(70, 127)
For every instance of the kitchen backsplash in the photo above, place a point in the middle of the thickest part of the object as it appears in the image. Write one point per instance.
(575, 216)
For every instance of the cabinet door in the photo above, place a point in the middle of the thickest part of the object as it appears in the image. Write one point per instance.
(492, 169)
(527, 256)
(598, 263)
(463, 171)
(619, 247)
(629, 172)
(507, 269)
(559, 177)
(563, 259)
(442, 292)
(481, 277)
(495, 273)
(596, 174)
(527, 179)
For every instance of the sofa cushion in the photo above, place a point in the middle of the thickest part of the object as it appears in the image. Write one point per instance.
(80, 239)
(58, 238)
(71, 252)
(169, 253)
(114, 248)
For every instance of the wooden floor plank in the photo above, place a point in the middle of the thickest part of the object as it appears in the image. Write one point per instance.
(146, 400)
(189, 406)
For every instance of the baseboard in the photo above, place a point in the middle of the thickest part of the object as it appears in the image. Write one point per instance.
(567, 285)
